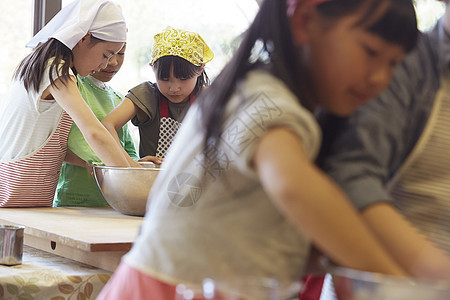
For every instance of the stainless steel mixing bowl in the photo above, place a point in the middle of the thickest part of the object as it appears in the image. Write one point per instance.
(126, 189)
(356, 285)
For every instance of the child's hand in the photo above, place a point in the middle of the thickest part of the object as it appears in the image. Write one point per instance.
(91, 170)
(153, 159)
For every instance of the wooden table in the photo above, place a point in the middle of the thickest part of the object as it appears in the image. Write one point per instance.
(95, 236)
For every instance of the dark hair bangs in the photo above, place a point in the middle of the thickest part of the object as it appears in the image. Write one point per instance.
(182, 69)
(398, 25)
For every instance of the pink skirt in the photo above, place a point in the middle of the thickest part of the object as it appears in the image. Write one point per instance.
(129, 283)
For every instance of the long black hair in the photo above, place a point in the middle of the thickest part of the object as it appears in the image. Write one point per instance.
(31, 69)
(271, 29)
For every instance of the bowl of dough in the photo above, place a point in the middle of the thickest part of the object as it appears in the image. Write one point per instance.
(351, 284)
(126, 189)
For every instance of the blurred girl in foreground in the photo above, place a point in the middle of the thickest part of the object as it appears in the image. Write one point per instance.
(240, 194)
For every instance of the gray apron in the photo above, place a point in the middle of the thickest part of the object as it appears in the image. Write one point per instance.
(421, 187)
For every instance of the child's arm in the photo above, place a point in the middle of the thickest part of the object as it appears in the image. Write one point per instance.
(98, 138)
(406, 244)
(316, 206)
(119, 116)
(73, 159)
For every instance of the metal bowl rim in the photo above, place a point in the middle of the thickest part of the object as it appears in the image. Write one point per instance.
(379, 278)
(126, 168)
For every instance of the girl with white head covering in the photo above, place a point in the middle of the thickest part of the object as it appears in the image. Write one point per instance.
(37, 113)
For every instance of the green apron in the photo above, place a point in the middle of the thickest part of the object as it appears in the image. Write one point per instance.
(76, 186)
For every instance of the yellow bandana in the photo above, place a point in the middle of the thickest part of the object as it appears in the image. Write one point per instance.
(185, 44)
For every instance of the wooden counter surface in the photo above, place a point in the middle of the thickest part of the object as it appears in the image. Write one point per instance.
(96, 236)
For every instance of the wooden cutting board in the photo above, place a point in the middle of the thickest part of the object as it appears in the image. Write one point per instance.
(97, 236)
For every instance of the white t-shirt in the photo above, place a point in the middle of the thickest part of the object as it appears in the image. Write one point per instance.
(26, 120)
(213, 218)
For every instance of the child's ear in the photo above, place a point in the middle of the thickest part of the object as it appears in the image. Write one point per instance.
(201, 70)
(301, 17)
(86, 38)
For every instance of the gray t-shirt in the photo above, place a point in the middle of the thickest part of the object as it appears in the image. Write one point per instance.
(208, 215)
(146, 97)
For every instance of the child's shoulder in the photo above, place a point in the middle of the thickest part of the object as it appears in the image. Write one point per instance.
(146, 85)
(144, 94)
(145, 89)
(260, 74)
(264, 82)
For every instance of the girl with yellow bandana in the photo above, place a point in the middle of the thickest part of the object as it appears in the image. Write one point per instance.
(178, 60)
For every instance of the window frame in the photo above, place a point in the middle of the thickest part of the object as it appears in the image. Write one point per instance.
(43, 12)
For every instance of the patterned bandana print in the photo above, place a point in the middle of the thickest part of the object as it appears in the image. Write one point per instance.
(185, 44)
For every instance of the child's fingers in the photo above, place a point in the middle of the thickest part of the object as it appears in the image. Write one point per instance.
(153, 159)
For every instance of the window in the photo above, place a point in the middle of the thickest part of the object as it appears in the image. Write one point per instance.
(16, 29)
(428, 12)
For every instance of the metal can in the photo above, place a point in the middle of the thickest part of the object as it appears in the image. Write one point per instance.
(11, 244)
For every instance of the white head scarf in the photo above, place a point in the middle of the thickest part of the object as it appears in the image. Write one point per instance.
(102, 18)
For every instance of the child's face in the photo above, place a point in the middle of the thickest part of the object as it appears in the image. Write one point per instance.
(349, 65)
(176, 90)
(114, 65)
(89, 58)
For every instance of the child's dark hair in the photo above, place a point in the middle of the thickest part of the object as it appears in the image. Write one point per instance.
(182, 69)
(271, 29)
(397, 25)
(31, 68)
